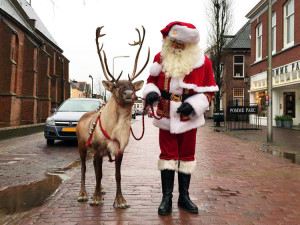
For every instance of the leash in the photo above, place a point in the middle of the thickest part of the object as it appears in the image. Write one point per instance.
(143, 119)
(115, 139)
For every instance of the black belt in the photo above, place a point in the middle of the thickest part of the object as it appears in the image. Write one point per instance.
(175, 98)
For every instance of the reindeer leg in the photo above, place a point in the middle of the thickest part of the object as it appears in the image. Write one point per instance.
(82, 196)
(120, 201)
(97, 197)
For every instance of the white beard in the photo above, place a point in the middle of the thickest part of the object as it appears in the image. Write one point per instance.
(176, 62)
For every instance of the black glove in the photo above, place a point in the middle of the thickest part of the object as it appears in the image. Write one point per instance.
(185, 109)
(152, 97)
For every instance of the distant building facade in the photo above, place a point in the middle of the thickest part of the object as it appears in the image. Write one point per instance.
(285, 58)
(34, 73)
(81, 90)
(235, 68)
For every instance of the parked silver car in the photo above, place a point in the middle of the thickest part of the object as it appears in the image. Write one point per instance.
(61, 125)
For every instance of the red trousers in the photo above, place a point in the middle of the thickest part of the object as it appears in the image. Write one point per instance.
(177, 146)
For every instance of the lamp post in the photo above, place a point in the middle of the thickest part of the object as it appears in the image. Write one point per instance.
(90, 76)
(121, 56)
(269, 76)
(62, 79)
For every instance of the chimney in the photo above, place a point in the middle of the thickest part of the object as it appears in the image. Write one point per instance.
(31, 23)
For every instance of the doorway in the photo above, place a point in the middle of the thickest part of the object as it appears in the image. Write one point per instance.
(289, 103)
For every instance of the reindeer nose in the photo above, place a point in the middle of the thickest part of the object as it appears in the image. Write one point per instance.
(128, 94)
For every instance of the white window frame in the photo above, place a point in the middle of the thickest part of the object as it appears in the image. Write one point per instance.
(274, 33)
(256, 41)
(291, 16)
(233, 96)
(239, 64)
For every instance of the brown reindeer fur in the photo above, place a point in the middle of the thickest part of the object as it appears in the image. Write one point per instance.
(116, 121)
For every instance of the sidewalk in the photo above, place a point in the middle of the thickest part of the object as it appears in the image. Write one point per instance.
(286, 142)
(234, 183)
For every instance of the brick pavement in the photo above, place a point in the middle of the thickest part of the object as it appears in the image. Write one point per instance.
(234, 183)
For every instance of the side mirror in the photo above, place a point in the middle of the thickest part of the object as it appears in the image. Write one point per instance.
(53, 110)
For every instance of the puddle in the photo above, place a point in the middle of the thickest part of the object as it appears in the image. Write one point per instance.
(292, 156)
(25, 197)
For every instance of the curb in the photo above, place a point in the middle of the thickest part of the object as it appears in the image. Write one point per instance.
(17, 131)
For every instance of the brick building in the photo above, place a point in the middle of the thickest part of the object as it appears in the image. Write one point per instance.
(34, 73)
(285, 58)
(235, 68)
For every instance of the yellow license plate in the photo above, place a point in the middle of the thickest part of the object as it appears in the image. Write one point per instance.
(68, 129)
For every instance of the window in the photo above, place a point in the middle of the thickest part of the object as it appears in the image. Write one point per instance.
(258, 41)
(289, 24)
(238, 96)
(273, 33)
(238, 66)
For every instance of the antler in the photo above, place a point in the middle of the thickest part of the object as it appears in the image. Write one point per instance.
(104, 65)
(140, 43)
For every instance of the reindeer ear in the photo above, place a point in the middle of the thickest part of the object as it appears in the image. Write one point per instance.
(107, 85)
(138, 85)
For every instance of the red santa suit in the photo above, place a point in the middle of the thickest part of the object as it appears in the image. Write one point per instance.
(178, 132)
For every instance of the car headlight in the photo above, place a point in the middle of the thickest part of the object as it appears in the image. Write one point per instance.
(50, 121)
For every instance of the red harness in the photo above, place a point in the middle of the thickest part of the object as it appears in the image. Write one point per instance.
(115, 139)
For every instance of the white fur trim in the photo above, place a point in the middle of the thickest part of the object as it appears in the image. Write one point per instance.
(200, 61)
(187, 167)
(174, 87)
(149, 88)
(163, 123)
(199, 103)
(167, 164)
(196, 88)
(185, 34)
(155, 69)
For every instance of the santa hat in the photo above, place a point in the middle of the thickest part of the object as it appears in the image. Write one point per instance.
(180, 31)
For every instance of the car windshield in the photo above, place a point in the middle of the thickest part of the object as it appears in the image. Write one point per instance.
(78, 106)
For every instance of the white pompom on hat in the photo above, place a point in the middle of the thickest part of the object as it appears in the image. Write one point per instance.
(181, 31)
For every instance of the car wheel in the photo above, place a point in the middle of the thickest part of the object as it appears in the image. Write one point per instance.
(50, 142)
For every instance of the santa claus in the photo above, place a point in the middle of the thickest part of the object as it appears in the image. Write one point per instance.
(181, 82)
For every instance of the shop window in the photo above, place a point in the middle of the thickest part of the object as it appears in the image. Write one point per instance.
(289, 24)
(260, 99)
(238, 96)
(273, 32)
(238, 66)
(259, 42)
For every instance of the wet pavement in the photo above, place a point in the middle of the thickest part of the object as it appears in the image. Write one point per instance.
(234, 183)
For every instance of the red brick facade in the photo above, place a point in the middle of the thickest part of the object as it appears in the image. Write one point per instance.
(282, 56)
(30, 75)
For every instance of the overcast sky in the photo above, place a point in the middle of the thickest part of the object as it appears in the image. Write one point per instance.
(72, 23)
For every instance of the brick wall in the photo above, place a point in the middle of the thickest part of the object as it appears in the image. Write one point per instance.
(29, 79)
(281, 57)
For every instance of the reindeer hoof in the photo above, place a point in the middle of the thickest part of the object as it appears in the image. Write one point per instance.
(82, 199)
(121, 206)
(97, 200)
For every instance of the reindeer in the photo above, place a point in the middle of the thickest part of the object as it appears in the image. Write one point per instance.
(115, 119)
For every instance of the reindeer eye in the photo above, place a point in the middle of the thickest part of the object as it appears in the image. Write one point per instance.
(114, 86)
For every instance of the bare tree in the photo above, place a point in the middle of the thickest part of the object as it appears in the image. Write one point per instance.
(219, 14)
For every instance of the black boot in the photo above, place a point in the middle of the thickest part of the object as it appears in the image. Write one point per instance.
(167, 182)
(184, 200)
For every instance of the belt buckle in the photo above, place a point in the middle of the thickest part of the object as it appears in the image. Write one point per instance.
(176, 98)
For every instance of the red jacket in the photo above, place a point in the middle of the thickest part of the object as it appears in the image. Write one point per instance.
(199, 83)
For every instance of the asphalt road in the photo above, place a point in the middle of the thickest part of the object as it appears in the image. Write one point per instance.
(27, 159)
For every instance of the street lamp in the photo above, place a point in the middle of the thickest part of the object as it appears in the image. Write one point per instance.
(246, 79)
(121, 56)
(90, 76)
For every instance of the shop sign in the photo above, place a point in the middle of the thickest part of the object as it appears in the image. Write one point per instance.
(286, 68)
(242, 110)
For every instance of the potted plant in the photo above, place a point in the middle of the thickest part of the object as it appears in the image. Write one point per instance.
(279, 120)
(287, 121)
